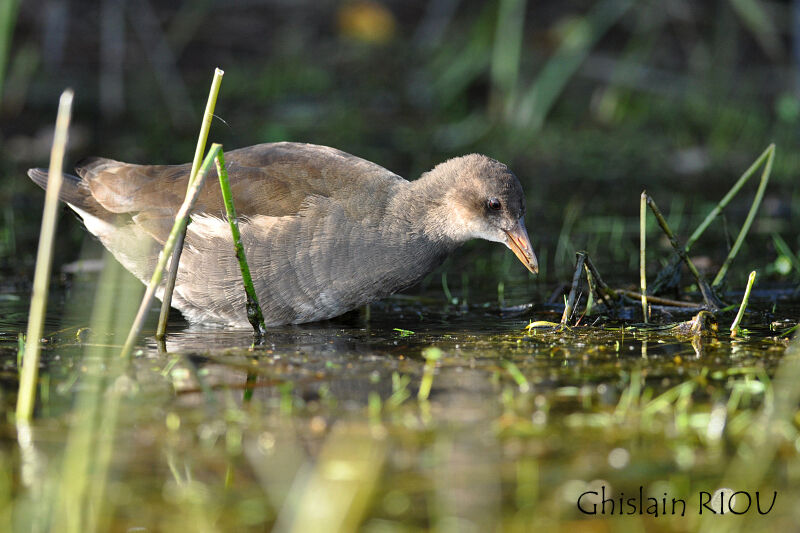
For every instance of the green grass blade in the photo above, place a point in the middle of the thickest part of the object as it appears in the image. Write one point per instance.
(254, 314)
(198, 156)
(727, 198)
(44, 259)
(577, 43)
(751, 215)
(756, 19)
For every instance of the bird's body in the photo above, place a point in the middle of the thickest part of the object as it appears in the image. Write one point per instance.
(324, 231)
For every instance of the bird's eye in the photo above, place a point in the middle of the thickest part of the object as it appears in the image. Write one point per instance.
(493, 204)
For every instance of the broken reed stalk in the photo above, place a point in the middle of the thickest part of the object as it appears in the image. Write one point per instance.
(735, 330)
(576, 278)
(751, 215)
(44, 258)
(592, 291)
(610, 296)
(642, 255)
(198, 157)
(181, 220)
(604, 291)
(254, 314)
(709, 297)
(658, 300)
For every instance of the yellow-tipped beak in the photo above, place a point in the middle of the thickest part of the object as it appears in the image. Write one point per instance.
(520, 244)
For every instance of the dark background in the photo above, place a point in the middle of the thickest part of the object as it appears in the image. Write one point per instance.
(589, 102)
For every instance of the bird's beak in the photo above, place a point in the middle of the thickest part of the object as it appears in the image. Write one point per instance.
(520, 244)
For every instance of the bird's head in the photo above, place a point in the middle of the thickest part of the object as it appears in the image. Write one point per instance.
(481, 198)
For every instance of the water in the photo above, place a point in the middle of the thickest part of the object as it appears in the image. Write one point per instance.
(321, 427)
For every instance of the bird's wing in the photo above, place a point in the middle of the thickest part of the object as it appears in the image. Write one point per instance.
(273, 180)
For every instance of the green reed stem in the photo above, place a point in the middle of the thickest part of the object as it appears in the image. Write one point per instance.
(642, 255)
(254, 314)
(44, 260)
(169, 286)
(751, 215)
(181, 220)
(735, 330)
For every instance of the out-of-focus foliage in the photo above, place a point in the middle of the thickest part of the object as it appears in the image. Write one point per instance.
(587, 100)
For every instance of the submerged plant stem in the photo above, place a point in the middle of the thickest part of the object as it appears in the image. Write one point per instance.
(198, 156)
(44, 259)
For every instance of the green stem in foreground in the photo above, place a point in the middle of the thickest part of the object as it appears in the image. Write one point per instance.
(181, 220)
(751, 215)
(517, 375)
(254, 314)
(44, 259)
(642, 255)
(735, 330)
(431, 355)
(198, 156)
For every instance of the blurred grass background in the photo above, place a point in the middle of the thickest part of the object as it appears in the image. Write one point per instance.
(589, 101)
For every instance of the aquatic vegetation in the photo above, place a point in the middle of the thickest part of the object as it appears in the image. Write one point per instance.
(479, 404)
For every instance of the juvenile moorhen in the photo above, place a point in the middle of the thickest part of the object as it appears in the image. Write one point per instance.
(324, 231)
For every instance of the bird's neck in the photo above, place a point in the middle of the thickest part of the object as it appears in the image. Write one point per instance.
(425, 208)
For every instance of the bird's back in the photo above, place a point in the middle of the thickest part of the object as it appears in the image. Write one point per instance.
(314, 225)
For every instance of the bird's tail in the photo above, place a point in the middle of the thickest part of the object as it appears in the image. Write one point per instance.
(74, 191)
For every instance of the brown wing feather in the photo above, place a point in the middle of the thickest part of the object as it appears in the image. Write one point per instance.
(267, 179)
